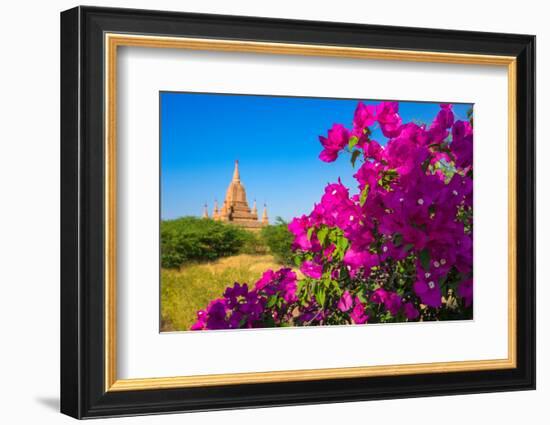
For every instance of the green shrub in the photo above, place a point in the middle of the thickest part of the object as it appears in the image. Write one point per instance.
(254, 244)
(190, 239)
(279, 240)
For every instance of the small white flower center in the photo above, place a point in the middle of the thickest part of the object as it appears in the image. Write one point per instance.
(420, 201)
(431, 284)
(427, 275)
(400, 199)
(455, 193)
(436, 264)
(443, 261)
(385, 248)
(350, 218)
(334, 192)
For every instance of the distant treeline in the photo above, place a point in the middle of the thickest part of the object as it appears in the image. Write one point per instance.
(191, 239)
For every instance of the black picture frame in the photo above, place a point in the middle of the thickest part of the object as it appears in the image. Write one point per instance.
(83, 392)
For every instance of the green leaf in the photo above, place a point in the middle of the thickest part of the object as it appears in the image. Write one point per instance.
(271, 301)
(320, 294)
(397, 239)
(424, 257)
(364, 195)
(352, 142)
(310, 232)
(354, 157)
(336, 288)
(269, 322)
(343, 244)
(425, 164)
(361, 296)
(322, 234)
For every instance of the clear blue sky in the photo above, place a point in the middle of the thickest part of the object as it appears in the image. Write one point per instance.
(275, 140)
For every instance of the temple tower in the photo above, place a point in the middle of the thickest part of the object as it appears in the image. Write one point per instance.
(235, 207)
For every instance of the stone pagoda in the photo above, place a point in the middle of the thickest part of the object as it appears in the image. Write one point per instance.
(235, 209)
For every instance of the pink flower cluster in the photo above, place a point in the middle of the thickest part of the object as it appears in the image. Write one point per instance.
(398, 249)
(267, 304)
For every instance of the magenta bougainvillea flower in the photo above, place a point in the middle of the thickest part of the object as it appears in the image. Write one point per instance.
(393, 248)
(393, 303)
(363, 118)
(429, 292)
(389, 119)
(311, 269)
(411, 313)
(298, 226)
(462, 145)
(346, 302)
(338, 137)
(358, 314)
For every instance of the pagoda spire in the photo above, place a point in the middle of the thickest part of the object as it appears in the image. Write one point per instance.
(265, 220)
(205, 211)
(236, 175)
(216, 212)
(235, 208)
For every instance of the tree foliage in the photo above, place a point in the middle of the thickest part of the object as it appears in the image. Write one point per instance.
(189, 239)
(279, 240)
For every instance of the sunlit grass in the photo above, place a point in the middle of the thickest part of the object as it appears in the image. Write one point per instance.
(185, 291)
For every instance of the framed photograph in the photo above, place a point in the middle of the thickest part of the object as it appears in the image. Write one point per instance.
(261, 212)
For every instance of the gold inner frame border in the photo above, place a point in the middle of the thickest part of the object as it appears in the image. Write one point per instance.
(113, 40)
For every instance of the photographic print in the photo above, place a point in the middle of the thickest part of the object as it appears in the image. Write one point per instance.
(293, 211)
